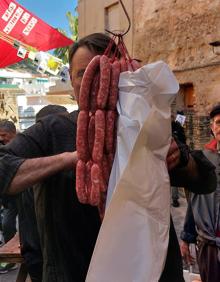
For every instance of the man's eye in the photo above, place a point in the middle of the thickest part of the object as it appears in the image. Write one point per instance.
(80, 73)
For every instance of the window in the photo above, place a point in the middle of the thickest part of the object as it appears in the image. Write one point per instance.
(188, 94)
(112, 18)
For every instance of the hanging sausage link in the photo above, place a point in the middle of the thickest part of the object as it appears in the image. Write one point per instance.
(97, 123)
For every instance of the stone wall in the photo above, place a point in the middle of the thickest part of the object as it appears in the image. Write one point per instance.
(206, 83)
(98, 15)
(179, 32)
(8, 107)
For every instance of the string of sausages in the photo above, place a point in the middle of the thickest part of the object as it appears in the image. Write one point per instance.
(97, 124)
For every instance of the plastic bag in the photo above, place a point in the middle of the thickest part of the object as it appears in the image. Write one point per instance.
(133, 239)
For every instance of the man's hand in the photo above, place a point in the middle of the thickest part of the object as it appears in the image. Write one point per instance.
(185, 252)
(173, 155)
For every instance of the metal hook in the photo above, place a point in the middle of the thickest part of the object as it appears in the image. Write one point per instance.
(129, 22)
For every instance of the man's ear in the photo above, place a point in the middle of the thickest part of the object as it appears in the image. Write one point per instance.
(211, 129)
(70, 74)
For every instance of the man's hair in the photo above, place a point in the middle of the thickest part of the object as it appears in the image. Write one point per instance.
(50, 109)
(214, 111)
(7, 125)
(95, 42)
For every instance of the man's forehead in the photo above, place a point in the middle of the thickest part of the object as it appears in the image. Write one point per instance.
(216, 117)
(82, 57)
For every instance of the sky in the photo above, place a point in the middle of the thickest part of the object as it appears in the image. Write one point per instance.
(52, 12)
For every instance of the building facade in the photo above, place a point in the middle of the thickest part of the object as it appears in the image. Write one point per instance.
(23, 94)
(185, 34)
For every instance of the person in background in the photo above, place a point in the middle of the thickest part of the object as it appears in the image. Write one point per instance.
(28, 228)
(10, 212)
(50, 110)
(202, 221)
(7, 131)
(45, 154)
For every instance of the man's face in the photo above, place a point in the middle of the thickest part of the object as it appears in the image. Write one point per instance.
(80, 60)
(6, 136)
(216, 127)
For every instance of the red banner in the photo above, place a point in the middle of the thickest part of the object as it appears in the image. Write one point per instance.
(17, 23)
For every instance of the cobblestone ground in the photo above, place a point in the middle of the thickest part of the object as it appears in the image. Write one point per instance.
(11, 276)
(178, 215)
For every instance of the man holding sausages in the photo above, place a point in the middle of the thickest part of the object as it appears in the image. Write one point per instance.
(45, 153)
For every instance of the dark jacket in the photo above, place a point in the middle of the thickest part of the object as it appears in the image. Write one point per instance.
(203, 212)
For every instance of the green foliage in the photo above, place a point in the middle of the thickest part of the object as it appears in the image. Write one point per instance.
(63, 53)
(73, 25)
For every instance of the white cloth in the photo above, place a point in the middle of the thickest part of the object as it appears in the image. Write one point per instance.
(133, 239)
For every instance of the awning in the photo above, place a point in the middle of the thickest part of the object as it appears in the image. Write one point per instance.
(20, 28)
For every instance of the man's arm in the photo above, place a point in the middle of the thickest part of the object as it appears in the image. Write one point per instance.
(198, 175)
(33, 171)
(28, 158)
